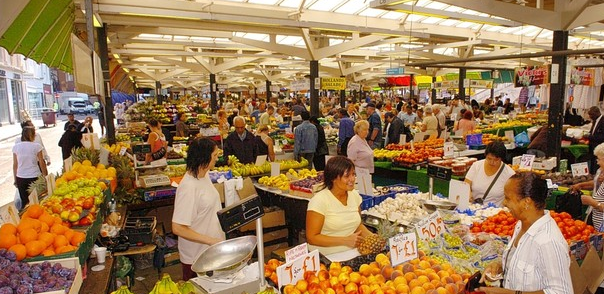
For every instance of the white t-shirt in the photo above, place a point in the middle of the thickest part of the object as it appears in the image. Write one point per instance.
(340, 220)
(196, 205)
(38, 140)
(27, 159)
(481, 182)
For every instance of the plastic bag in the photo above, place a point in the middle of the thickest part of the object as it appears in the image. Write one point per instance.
(522, 139)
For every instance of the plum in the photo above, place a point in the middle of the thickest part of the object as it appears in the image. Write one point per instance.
(11, 255)
(6, 290)
(23, 289)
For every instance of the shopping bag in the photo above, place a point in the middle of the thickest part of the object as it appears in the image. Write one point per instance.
(570, 202)
(522, 139)
(91, 141)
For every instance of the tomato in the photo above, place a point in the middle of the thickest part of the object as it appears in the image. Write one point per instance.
(565, 215)
(557, 219)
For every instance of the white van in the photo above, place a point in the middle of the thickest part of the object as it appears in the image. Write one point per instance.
(74, 102)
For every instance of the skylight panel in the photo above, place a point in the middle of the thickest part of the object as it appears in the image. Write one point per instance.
(291, 3)
(437, 5)
(449, 22)
(465, 24)
(510, 30)
(200, 39)
(239, 34)
(431, 20)
(150, 36)
(181, 38)
(290, 40)
(470, 12)
(352, 6)
(335, 42)
(324, 5)
(265, 2)
(414, 18)
(393, 15)
(258, 37)
(494, 29)
(371, 12)
(423, 3)
(454, 9)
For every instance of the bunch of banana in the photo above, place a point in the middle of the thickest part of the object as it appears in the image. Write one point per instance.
(175, 138)
(232, 160)
(116, 148)
(268, 290)
(186, 287)
(280, 182)
(388, 154)
(302, 174)
(165, 286)
(122, 137)
(122, 290)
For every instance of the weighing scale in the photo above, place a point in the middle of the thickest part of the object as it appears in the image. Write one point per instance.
(250, 279)
(154, 181)
(439, 172)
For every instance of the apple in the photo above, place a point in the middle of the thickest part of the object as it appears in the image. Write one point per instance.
(85, 221)
(74, 217)
(64, 215)
(57, 208)
(88, 203)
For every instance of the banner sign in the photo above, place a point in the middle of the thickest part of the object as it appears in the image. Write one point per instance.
(531, 75)
(423, 86)
(582, 76)
(354, 86)
(446, 84)
(481, 84)
(222, 87)
(395, 71)
(333, 83)
(300, 85)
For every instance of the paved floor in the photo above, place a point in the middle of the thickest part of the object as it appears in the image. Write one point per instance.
(50, 137)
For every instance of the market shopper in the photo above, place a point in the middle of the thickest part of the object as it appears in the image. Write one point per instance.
(305, 139)
(264, 143)
(70, 140)
(596, 134)
(223, 123)
(488, 176)
(38, 139)
(536, 260)
(157, 140)
(101, 117)
(596, 201)
(466, 125)
(374, 137)
(408, 117)
(359, 150)
(28, 163)
(394, 129)
(440, 117)
(345, 132)
(265, 118)
(86, 126)
(197, 202)
(430, 123)
(182, 130)
(333, 219)
(322, 148)
(241, 143)
(71, 121)
(508, 106)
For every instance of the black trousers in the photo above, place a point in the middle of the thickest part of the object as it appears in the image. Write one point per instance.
(22, 185)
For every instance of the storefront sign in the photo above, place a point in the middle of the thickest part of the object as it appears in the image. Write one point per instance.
(222, 87)
(333, 83)
(17, 76)
(423, 86)
(300, 85)
(395, 71)
(582, 76)
(47, 89)
(354, 86)
(403, 247)
(531, 75)
(292, 272)
(430, 227)
(481, 84)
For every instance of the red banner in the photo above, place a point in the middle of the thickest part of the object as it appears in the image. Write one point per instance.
(531, 75)
(582, 76)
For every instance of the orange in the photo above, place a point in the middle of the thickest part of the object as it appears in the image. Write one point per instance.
(43, 227)
(35, 210)
(48, 252)
(86, 162)
(8, 228)
(47, 238)
(102, 185)
(60, 241)
(58, 229)
(29, 223)
(69, 233)
(34, 248)
(77, 238)
(19, 250)
(64, 249)
(7, 240)
(48, 219)
(28, 235)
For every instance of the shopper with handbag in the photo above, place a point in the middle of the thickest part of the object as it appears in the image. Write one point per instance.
(157, 140)
(488, 176)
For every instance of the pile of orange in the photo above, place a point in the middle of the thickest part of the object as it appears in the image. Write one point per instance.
(85, 169)
(39, 233)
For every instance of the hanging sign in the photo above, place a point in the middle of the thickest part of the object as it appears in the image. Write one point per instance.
(481, 84)
(424, 86)
(333, 83)
(395, 71)
(531, 75)
(300, 85)
(582, 76)
(403, 247)
(293, 271)
(222, 87)
(430, 227)
(354, 86)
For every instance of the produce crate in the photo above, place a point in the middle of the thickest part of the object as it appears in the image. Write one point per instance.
(158, 193)
(474, 140)
(367, 202)
(140, 229)
(68, 263)
(414, 166)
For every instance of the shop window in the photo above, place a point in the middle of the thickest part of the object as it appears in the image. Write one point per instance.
(4, 114)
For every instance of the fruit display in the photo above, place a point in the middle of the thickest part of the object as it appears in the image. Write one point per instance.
(174, 155)
(540, 172)
(388, 155)
(243, 170)
(477, 213)
(504, 125)
(177, 170)
(428, 144)
(501, 224)
(19, 277)
(488, 138)
(422, 275)
(566, 179)
(87, 170)
(417, 156)
(117, 147)
(306, 185)
(165, 285)
(301, 174)
(282, 181)
(76, 201)
(39, 233)
(376, 243)
(270, 269)
(404, 208)
(122, 290)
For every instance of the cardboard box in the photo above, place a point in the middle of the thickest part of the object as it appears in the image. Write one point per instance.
(248, 189)
(592, 264)
(72, 262)
(269, 250)
(577, 277)
(275, 235)
(272, 218)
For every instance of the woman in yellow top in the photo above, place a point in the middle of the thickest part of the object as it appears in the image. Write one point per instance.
(333, 218)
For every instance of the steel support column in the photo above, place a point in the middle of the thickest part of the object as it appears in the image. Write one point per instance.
(556, 101)
(314, 93)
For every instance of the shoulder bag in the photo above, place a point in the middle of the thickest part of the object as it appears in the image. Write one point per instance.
(480, 201)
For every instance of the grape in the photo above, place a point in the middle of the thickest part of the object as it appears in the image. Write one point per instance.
(24, 290)
(39, 288)
(64, 272)
(51, 282)
(45, 265)
(6, 290)
(4, 281)
(36, 273)
(25, 267)
(56, 267)
(14, 283)
(3, 252)
(11, 255)
(4, 262)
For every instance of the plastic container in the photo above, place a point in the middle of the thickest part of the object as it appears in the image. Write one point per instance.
(459, 169)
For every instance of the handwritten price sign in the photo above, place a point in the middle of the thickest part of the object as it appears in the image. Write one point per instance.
(579, 169)
(430, 227)
(449, 149)
(526, 162)
(403, 247)
(293, 271)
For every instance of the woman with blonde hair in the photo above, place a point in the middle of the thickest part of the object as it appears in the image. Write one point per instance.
(265, 143)
(358, 149)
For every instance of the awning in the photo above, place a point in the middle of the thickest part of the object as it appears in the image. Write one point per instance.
(41, 31)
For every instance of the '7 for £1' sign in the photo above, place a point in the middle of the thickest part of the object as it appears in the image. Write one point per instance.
(403, 247)
(293, 271)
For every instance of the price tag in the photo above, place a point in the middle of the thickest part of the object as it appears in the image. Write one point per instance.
(9, 214)
(296, 252)
(449, 148)
(579, 169)
(293, 271)
(284, 141)
(402, 139)
(123, 151)
(403, 247)
(260, 160)
(510, 135)
(275, 169)
(526, 162)
(50, 184)
(430, 227)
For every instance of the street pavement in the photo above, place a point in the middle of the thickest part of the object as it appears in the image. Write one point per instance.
(50, 137)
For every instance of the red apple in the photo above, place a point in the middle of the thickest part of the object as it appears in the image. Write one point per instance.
(85, 221)
(88, 203)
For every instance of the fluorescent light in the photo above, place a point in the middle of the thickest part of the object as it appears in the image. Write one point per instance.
(126, 70)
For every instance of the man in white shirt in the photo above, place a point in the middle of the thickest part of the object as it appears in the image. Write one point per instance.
(408, 117)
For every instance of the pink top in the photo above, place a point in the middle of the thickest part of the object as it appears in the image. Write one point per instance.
(466, 125)
(360, 153)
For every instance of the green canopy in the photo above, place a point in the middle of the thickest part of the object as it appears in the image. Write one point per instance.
(42, 32)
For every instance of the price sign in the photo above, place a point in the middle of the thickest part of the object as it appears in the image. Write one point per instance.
(123, 151)
(526, 162)
(9, 214)
(449, 148)
(296, 252)
(403, 247)
(293, 271)
(579, 169)
(430, 227)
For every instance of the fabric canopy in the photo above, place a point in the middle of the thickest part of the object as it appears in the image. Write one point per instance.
(42, 32)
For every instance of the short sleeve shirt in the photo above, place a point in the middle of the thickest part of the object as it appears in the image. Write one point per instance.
(27, 159)
(481, 182)
(340, 220)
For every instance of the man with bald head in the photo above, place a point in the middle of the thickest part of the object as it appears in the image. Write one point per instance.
(241, 143)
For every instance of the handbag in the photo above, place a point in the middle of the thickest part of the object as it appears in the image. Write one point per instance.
(480, 200)
(159, 154)
(570, 202)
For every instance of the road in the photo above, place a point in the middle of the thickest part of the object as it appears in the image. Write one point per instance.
(50, 137)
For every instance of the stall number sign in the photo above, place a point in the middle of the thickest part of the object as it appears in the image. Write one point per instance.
(526, 162)
(403, 247)
(449, 148)
(579, 169)
(293, 271)
(430, 227)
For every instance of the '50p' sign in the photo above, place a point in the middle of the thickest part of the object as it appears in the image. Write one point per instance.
(293, 271)
(430, 227)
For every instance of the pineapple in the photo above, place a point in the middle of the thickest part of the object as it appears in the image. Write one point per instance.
(375, 243)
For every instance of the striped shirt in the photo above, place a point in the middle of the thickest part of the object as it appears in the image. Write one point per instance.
(598, 194)
(541, 261)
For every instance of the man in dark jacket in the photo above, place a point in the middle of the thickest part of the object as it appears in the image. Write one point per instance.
(395, 129)
(241, 143)
(71, 139)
